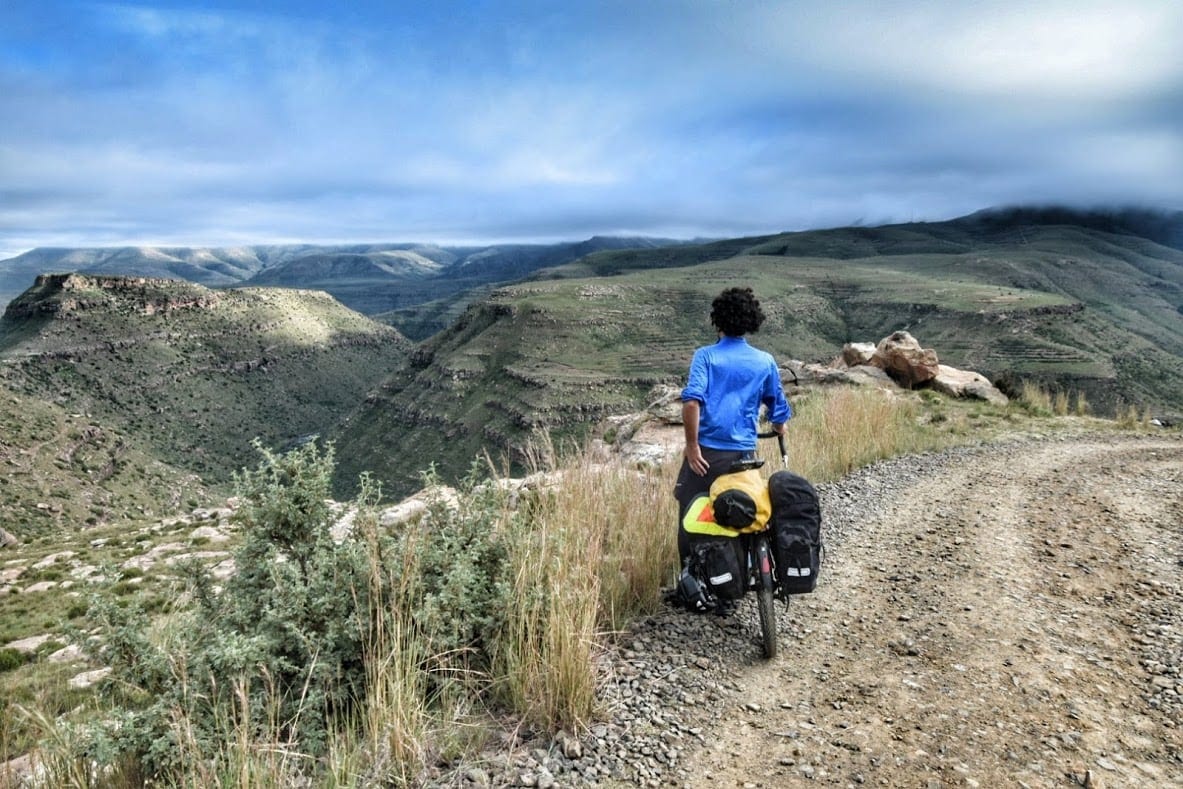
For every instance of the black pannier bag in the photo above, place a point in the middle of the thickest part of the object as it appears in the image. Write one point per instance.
(716, 559)
(796, 524)
(716, 562)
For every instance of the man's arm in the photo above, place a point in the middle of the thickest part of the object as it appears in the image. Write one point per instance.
(693, 452)
(779, 410)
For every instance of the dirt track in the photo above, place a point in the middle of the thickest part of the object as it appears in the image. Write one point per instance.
(1014, 621)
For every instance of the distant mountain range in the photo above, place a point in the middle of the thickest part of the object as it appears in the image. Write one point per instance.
(513, 340)
(369, 278)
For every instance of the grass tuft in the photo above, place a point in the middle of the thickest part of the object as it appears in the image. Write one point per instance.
(837, 431)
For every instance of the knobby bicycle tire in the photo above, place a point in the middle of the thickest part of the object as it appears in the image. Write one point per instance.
(764, 602)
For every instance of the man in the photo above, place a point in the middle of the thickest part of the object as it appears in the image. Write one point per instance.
(728, 383)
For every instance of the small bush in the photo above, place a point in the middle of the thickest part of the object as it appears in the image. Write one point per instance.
(1035, 399)
(11, 658)
(49, 647)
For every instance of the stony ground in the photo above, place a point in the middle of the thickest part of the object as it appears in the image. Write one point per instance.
(1008, 616)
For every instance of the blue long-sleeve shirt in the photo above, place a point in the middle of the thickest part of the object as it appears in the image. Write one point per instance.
(731, 380)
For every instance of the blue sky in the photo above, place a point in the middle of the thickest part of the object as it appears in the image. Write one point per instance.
(222, 123)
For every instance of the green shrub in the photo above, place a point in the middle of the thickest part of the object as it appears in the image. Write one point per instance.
(294, 653)
(458, 554)
(11, 658)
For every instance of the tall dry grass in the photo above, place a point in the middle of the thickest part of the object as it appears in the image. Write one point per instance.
(836, 431)
(1036, 399)
(391, 739)
(598, 547)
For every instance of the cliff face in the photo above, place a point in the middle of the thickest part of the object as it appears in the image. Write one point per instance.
(65, 294)
(523, 363)
(192, 375)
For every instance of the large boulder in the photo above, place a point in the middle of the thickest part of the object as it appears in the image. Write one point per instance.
(900, 356)
(966, 383)
(856, 354)
(858, 375)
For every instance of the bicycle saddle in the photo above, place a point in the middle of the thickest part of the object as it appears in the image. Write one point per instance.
(745, 464)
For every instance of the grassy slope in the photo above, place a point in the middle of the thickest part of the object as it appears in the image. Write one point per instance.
(186, 387)
(1066, 306)
(65, 469)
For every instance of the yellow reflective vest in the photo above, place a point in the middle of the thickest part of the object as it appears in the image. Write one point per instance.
(700, 519)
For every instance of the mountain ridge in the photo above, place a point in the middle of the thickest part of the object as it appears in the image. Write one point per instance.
(1090, 307)
(371, 278)
(177, 372)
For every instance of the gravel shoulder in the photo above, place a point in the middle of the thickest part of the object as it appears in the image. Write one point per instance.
(1001, 616)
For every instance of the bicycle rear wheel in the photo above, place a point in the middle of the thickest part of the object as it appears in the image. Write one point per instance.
(767, 622)
(764, 601)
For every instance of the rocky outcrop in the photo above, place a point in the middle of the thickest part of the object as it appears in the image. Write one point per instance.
(838, 373)
(855, 354)
(63, 294)
(899, 360)
(900, 356)
(966, 383)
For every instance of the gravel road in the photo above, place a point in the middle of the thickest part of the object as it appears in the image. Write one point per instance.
(1000, 616)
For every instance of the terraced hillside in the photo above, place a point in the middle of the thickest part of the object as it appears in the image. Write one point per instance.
(152, 373)
(1109, 320)
(1069, 306)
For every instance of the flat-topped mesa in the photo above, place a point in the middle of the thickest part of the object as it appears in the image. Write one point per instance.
(63, 294)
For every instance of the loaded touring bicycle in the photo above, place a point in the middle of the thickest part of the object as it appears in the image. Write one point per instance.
(753, 535)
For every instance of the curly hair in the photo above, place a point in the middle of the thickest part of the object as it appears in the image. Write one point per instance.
(736, 312)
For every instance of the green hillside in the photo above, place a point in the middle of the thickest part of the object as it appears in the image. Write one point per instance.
(63, 469)
(179, 375)
(178, 378)
(1071, 307)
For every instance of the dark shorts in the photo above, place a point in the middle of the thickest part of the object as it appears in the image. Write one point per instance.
(690, 485)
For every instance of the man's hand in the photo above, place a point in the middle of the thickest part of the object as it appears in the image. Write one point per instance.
(693, 452)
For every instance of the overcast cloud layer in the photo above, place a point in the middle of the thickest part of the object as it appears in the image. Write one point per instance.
(216, 123)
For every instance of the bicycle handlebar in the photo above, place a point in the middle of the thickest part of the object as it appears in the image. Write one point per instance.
(780, 440)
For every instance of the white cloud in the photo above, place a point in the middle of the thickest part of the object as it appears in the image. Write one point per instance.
(1088, 50)
(194, 126)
